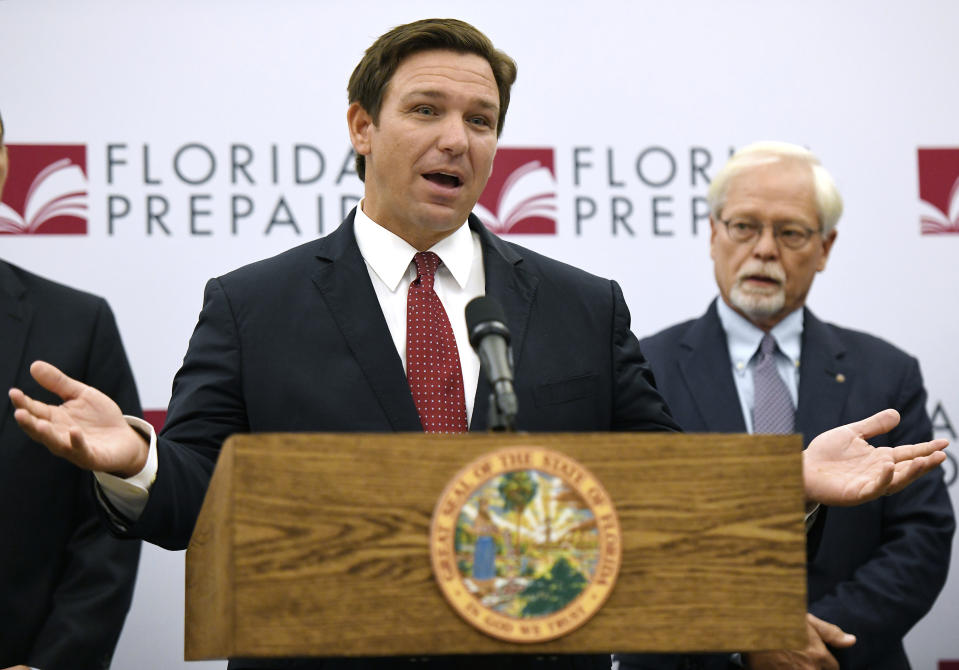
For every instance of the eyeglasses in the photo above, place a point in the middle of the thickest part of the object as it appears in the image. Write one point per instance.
(790, 235)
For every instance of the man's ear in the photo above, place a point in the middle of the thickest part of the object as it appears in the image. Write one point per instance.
(826, 248)
(361, 125)
(712, 237)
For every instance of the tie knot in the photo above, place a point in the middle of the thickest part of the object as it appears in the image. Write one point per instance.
(426, 264)
(768, 345)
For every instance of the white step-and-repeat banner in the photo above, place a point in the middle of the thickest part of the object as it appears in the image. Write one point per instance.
(211, 134)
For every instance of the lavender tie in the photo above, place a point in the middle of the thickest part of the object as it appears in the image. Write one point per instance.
(773, 411)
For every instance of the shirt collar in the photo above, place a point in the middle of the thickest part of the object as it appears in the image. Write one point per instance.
(389, 255)
(743, 337)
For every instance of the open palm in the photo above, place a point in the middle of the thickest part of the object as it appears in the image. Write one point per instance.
(841, 468)
(88, 429)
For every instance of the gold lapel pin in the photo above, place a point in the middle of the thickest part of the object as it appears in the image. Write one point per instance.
(840, 377)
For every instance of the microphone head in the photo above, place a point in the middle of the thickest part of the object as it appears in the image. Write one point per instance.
(485, 316)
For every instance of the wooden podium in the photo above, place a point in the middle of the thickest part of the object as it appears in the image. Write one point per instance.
(318, 545)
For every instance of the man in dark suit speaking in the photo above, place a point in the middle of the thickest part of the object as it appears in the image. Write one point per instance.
(65, 581)
(331, 335)
(757, 350)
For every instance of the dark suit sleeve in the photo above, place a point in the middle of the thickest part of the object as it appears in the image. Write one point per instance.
(207, 407)
(890, 592)
(92, 596)
(637, 404)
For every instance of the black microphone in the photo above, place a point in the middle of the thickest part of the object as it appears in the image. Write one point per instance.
(486, 325)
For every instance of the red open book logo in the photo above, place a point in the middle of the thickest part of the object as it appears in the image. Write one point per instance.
(46, 192)
(939, 190)
(520, 196)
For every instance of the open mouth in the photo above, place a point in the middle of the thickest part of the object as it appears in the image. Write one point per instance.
(443, 179)
(762, 279)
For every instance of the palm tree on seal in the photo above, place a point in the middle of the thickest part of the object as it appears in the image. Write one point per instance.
(518, 490)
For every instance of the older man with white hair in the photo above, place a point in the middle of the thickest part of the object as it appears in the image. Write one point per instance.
(759, 361)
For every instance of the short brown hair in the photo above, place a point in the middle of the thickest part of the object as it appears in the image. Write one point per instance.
(373, 73)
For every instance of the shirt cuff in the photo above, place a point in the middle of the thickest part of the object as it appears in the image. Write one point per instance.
(129, 496)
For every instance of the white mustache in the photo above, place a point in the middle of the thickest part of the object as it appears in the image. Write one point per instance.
(771, 270)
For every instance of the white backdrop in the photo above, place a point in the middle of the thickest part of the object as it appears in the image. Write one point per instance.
(162, 94)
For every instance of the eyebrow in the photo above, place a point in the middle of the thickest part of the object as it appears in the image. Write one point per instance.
(753, 216)
(485, 103)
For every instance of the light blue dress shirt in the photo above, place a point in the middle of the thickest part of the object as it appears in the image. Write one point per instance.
(743, 338)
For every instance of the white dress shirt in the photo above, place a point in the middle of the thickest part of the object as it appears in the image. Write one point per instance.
(389, 260)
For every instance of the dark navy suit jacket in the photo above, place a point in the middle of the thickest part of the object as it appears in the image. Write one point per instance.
(879, 566)
(299, 342)
(65, 581)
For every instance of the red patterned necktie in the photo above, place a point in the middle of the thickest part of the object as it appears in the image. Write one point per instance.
(432, 359)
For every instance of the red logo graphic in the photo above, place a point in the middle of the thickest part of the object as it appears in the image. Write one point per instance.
(948, 665)
(520, 196)
(46, 191)
(939, 190)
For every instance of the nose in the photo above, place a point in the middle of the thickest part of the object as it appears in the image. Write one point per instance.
(766, 247)
(453, 138)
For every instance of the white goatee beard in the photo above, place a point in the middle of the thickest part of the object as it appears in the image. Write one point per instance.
(757, 305)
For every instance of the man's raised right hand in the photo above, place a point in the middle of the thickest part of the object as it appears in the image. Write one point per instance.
(88, 429)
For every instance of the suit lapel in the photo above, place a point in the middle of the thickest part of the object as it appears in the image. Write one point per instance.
(823, 385)
(707, 374)
(514, 289)
(342, 278)
(15, 317)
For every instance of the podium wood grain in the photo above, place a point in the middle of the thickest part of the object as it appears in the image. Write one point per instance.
(318, 545)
